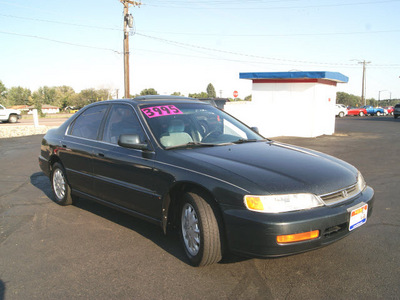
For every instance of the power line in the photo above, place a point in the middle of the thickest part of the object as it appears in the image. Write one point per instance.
(60, 42)
(59, 22)
(209, 34)
(280, 35)
(213, 5)
(234, 53)
(194, 47)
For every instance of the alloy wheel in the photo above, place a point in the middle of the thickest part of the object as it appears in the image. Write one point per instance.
(59, 184)
(190, 229)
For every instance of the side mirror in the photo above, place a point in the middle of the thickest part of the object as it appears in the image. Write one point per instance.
(255, 129)
(131, 141)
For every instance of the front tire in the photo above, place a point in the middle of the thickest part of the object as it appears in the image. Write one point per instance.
(200, 232)
(361, 114)
(12, 119)
(378, 113)
(60, 186)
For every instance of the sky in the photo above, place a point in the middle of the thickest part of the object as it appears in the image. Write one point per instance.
(183, 45)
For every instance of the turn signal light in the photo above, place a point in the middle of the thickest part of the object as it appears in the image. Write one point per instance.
(298, 237)
(254, 203)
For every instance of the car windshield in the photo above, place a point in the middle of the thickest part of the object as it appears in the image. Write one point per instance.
(193, 125)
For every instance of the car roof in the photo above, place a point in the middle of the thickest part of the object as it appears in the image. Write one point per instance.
(157, 99)
(150, 99)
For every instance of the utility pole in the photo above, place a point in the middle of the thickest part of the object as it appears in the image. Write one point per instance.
(363, 100)
(128, 23)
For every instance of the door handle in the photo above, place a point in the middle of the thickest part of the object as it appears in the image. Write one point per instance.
(100, 154)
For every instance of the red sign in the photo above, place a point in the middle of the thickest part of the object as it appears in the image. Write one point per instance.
(235, 94)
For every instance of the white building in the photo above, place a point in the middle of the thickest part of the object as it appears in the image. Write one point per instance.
(290, 103)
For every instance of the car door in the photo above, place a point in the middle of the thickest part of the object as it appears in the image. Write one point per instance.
(125, 176)
(78, 146)
(2, 113)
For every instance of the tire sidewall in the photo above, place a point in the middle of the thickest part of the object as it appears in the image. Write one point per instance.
(13, 119)
(66, 200)
(196, 259)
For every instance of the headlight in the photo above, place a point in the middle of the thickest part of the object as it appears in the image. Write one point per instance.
(361, 184)
(281, 203)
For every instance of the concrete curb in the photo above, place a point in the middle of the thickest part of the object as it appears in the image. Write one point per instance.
(23, 130)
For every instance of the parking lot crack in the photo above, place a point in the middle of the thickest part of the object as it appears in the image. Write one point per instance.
(14, 190)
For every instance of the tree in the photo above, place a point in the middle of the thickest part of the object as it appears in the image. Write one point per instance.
(372, 102)
(45, 95)
(177, 94)
(3, 92)
(348, 99)
(88, 96)
(199, 95)
(103, 94)
(211, 91)
(63, 97)
(18, 96)
(150, 91)
(248, 98)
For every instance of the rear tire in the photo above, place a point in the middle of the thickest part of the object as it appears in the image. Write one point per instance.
(378, 113)
(200, 233)
(60, 186)
(361, 114)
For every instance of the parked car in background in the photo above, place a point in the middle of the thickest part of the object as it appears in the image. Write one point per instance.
(372, 111)
(181, 163)
(356, 111)
(9, 115)
(340, 110)
(396, 112)
(390, 110)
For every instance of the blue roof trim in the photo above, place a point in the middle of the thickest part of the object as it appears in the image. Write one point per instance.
(334, 76)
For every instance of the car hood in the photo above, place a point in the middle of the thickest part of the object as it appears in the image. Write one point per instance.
(273, 167)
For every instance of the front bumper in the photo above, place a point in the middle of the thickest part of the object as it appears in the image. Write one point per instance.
(254, 234)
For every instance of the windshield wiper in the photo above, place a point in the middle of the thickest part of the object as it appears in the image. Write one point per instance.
(190, 144)
(241, 141)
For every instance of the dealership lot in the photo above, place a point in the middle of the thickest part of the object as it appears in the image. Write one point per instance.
(89, 251)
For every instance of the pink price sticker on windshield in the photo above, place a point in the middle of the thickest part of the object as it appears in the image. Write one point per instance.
(160, 111)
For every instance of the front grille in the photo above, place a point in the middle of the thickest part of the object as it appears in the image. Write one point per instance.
(341, 195)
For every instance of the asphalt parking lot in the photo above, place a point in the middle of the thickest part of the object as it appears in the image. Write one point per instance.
(87, 251)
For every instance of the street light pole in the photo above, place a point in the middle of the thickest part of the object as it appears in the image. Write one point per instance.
(379, 95)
